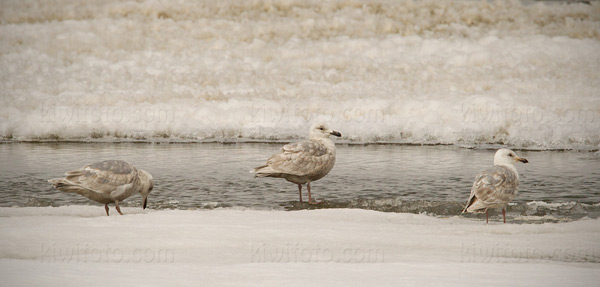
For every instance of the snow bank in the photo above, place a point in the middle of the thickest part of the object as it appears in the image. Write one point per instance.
(466, 72)
(78, 245)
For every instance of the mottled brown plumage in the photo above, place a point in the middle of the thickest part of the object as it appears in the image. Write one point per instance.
(493, 188)
(497, 186)
(106, 182)
(303, 162)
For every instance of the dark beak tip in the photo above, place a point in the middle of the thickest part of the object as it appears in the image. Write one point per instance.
(525, 161)
(337, 134)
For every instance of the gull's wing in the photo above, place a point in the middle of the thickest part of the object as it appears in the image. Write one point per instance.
(492, 187)
(300, 158)
(103, 177)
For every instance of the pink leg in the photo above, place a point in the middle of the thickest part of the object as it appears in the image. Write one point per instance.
(300, 191)
(106, 208)
(310, 200)
(118, 208)
(504, 214)
(486, 216)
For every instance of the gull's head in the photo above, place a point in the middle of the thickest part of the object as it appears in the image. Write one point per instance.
(147, 185)
(321, 130)
(506, 156)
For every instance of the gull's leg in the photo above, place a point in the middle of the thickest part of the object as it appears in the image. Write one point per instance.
(106, 208)
(486, 216)
(118, 208)
(300, 191)
(504, 214)
(310, 200)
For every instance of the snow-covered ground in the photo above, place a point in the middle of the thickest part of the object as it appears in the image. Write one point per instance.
(455, 72)
(80, 246)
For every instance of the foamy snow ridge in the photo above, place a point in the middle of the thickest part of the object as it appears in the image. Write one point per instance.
(383, 71)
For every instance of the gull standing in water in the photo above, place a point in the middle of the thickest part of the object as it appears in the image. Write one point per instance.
(497, 186)
(108, 181)
(303, 162)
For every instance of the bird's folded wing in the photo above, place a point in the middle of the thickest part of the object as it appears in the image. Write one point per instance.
(495, 186)
(98, 179)
(300, 158)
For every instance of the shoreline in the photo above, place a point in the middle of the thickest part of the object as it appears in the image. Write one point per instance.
(484, 146)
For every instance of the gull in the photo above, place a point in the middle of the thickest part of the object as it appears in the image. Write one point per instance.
(303, 162)
(108, 181)
(497, 186)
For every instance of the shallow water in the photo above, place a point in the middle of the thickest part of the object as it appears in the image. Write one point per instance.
(395, 178)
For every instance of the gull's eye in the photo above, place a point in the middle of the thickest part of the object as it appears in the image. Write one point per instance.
(321, 128)
(511, 155)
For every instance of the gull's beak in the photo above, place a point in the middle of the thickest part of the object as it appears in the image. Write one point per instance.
(145, 202)
(334, 133)
(523, 160)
